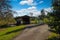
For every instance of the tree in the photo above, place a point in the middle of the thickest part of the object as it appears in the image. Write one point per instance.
(6, 15)
(56, 15)
(42, 14)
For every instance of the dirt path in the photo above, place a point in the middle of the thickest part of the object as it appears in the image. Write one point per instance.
(35, 33)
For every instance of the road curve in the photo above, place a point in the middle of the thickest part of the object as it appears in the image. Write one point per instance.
(35, 33)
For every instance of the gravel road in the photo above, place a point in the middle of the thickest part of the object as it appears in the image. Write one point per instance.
(34, 33)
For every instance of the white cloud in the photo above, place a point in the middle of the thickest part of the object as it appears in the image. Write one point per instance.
(48, 9)
(23, 2)
(28, 11)
(29, 2)
(33, 10)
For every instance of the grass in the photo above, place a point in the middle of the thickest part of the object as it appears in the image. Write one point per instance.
(54, 36)
(10, 32)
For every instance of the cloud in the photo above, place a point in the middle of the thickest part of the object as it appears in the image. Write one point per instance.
(29, 2)
(27, 11)
(48, 9)
(33, 10)
(23, 2)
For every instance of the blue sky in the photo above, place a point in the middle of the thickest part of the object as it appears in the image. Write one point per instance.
(23, 7)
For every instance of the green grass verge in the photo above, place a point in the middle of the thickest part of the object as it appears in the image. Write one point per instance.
(10, 32)
(53, 36)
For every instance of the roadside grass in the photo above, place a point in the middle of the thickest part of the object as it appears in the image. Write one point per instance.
(10, 32)
(54, 35)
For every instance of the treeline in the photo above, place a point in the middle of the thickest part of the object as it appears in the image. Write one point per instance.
(6, 14)
(54, 17)
(53, 20)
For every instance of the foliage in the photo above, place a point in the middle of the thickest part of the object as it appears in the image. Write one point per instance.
(6, 16)
(46, 20)
(54, 17)
(42, 16)
(54, 20)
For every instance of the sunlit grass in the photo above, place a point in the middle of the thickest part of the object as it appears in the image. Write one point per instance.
(54, 36)
(10, 32)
